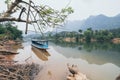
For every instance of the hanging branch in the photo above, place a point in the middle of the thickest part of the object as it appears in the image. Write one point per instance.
(27, 17)
(43, 16)
(22, 10)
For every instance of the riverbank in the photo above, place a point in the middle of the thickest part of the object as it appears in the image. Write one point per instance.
(14, 70)
(68, 39)
(116, 40)
(7, 47)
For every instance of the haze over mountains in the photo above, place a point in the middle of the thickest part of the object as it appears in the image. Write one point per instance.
(95, 22)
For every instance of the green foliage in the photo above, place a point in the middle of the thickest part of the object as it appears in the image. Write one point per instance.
(88, 34)
(10, 31)
(53, 17)
(115, 32)
(41, 16)
(7, 1)
(2, 29)
(80, 31)
(66, 34)
(103, 35)
(69, 10)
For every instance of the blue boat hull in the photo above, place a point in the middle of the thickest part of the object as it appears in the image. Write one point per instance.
(40, 45)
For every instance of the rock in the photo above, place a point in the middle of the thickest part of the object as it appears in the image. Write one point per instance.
(76, 75)
(118, 78)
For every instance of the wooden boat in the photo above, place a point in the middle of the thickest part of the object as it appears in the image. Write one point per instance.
(40, 44)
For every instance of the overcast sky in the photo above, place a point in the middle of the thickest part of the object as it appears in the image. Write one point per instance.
(82, 8)
(85, 8)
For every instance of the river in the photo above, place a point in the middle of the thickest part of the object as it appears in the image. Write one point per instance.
(97, 61)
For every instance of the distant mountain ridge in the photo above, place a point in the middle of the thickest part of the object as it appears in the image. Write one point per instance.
(95, 22)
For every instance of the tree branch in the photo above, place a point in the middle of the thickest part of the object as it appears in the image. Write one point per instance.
(22, 10)
(13, 5)
(2, 19)
(43, 16)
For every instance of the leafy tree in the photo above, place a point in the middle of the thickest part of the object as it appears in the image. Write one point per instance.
(41, 16)
(80, 30)
(80, 35)
(88, 34)
(2, 29)
(10, 31)
(115, 32)
(103, 35)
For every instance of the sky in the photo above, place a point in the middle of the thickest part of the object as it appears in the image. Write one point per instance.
(82, 8)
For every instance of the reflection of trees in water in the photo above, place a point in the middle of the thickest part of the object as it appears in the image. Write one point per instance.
(102, 53)
(65, 44)
(96, 46)
(90, 46)
(101, 46)
(93, 53)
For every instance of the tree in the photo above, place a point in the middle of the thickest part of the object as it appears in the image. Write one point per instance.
(40, 15)
(2, 29)
(80, 31)
(8, 30)
(103, 35)
(88, 34)
(115, 32)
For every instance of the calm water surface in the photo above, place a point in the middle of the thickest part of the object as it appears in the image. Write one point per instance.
(97, 62)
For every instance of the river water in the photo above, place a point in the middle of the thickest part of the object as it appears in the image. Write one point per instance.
(98, 62)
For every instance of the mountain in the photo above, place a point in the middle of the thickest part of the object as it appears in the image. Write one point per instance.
(95, 22)
(31, 35)
(73, 25)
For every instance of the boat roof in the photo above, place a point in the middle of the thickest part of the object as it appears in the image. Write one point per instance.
(39, 40)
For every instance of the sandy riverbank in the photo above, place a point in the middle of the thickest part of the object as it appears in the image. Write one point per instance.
(116, 40)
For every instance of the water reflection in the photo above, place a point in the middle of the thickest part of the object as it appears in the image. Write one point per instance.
(41, 54)
(55, 67)
(101, 46)
(90, 46)
(93, 53)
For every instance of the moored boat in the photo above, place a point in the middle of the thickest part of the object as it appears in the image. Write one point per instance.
(40, 44)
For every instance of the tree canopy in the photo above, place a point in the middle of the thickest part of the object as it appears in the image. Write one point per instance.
(41, 16)
(9, 31)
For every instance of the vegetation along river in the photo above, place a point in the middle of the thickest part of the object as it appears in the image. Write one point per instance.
(99, 61)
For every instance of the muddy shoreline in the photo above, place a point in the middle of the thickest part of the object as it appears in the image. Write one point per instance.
(13, 70)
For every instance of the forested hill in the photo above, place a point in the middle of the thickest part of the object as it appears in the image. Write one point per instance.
(95, 22)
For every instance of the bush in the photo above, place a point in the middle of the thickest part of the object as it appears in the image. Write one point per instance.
(10, 31)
